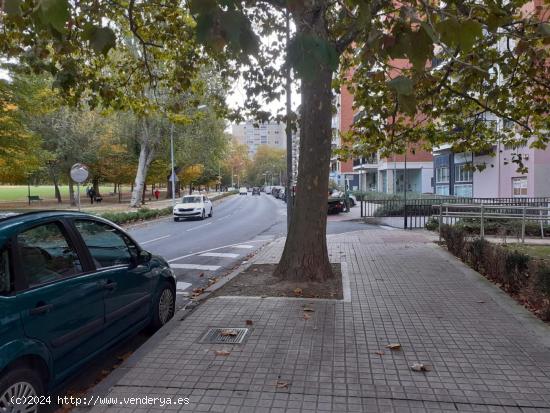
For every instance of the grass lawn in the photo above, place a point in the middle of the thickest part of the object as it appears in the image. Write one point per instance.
(20, 192)
(535, 251)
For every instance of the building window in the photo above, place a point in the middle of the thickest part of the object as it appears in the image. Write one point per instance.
(464, 190)
(519, 187)
(442, 189)
(442, 174)
(463, 173)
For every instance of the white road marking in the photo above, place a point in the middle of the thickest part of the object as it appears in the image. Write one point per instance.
(387, 228)
(184, 293)
(180, 285)
(155, 239)
(211, 249)
(244, 247)
(196, 267)
(197, 227)
(219, 255)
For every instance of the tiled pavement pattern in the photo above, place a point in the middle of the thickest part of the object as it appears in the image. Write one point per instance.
(404, 290)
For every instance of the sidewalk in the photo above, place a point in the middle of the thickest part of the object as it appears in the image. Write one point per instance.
(486, 352)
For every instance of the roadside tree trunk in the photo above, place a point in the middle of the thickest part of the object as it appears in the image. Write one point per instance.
(145, 158)
(146, 155)
(305, 255)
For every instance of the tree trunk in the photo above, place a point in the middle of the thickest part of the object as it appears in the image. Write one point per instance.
(53, 175)
(145, 157)
(56, 189)
(72, 195)
(305, 255)
(115, 189)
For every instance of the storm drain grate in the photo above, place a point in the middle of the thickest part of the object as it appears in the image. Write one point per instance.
(225, 335)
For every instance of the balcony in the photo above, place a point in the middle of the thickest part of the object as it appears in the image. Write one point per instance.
(368, 162)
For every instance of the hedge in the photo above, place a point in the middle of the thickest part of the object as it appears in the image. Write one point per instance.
(525, 278)
(472, 226)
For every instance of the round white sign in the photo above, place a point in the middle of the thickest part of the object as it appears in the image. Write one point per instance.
(79, 172)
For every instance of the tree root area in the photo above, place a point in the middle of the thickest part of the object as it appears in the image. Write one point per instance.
(258, 280)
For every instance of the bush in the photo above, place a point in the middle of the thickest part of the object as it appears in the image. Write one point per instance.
(501, 227)
(541, 290)
(432, 224)
(141, 214)
(455, 239)
(477, 253)
(515, 270)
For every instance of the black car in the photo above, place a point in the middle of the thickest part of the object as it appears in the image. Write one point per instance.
(255, 191)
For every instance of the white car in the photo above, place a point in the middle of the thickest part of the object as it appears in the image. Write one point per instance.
(193, 206)
(243, 190)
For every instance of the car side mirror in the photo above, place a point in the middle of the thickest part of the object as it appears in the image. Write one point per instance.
(144, 257)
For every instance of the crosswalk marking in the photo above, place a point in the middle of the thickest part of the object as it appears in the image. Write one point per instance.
(181, 285)
(196, 267)
(244, 247)
(219, 255)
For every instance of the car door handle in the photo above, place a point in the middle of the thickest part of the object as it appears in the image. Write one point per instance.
(110, 285)
(41, 309)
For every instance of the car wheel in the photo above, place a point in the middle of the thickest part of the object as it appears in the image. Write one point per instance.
(203, 215)
(20, 382)
(211, 212)
(176, 219)
(164, 306)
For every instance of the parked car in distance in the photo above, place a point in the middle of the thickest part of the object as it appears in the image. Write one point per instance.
(193, 206)
(267, 189)
(255, 191)
(335, 206)
(275, 191)
(231, 189)
(71, 286)
(243, 190)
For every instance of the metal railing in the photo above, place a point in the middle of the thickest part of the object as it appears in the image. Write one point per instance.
(416, 212)
(451, 213)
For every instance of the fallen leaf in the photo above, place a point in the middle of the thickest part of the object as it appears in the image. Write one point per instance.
(420, 367)
(380, 353)
(263, 296)
(254, 269)
(249, 322)
(281, 384)
(394, 346)
(228, 333)
(198, 290)
(480, 302)
(298, 292)
(201, 274)
(309, 310)
(306, 316)
(222, 353)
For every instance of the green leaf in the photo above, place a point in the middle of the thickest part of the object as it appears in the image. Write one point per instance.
(421, 48)
(102, 39)
(54, 12)
(402, 85)
(407, 104)
(12, 7)
(544, 29)
(459, 34)
(307, 53)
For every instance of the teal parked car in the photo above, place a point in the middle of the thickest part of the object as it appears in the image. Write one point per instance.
(71, 285)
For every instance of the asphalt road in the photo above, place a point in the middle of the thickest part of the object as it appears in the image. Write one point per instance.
(199, 250)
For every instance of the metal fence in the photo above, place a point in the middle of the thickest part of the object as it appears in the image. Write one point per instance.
(414, 213)
(524, 214)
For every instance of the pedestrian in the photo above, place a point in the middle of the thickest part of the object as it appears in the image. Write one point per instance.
(157, 194)
(91, 194)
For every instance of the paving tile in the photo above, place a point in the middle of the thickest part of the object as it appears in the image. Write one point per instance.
(404, 290)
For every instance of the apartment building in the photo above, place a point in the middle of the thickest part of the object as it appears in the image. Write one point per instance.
(454, 175)
(254, 135)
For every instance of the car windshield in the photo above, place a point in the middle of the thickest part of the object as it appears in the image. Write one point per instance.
(191, 199)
